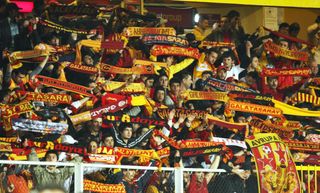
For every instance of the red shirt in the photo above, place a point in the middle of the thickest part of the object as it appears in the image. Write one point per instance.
(19, 182)
(195, 187)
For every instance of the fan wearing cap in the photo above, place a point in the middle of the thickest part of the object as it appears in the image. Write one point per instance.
(222, 73)
(201, 30)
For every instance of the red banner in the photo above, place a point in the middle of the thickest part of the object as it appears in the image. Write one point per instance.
(274, 163)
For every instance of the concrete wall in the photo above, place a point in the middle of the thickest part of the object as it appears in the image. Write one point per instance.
(304, 17)
(253, 16)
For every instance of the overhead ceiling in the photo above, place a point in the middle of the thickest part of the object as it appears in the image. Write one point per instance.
(277, 3)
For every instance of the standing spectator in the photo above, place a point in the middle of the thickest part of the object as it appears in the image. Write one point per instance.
(200, 31)
(9, 27)
(51, 175)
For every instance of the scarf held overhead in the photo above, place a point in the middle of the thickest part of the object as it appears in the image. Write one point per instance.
(165, 39)
(159, 50)
(140, 31)
(289, 54)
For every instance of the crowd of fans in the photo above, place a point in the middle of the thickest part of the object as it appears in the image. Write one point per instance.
(240, 63)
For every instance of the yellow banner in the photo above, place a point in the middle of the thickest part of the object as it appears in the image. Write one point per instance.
(291, 110)
(131, 88)
(203, 95)
(140, 31)
(253, 108)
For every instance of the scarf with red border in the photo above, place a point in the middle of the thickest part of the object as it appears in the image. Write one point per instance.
(286, 53)
(160, 50)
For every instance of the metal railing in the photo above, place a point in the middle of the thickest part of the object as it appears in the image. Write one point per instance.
(80, 167)
(309, 178)
(308, 174)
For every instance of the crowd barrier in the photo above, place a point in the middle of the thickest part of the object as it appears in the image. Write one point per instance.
(309, 178)
(309, 175)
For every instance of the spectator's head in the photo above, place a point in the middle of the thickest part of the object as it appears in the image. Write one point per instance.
(175, 86)
(284, 28)
(19, 75)
(203, 22)
(252, 78)
(233, 18)
(228, 60)
(254, 62)
(125, 130)
(12, 10)
(149, 82)
(294, 29)
(211, 56)
(88, 60)
(163, 80)
(96, 125)
(314, 67)
(51, 156)
(108, 140)
(206, 74)
(186, 81)
(222, 72)
(273, 82)
(5, 96)
(92, 147)
(54, 40)
(159, 94)
(284, 43)
(169, 60)
(52, 189)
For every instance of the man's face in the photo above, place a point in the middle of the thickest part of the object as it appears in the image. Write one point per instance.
(18, 78)
(199, 176)
(96, 124)
(93, 147)
(222, 74)
(127, 133)
(87, 60)
(284, 30)
(273, 83)
(284, 44)
(149, 83)
(129, 174)
(55, 41)
(212, 57)
(51, 157)
(108, 142)
(169, 60)
(255, 62)
(228, 62)
(163, 81)
(314, 68)
(187, 81)
(204, 24)
(250, 80)
(160, 96)
(175, 88)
